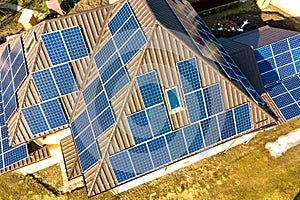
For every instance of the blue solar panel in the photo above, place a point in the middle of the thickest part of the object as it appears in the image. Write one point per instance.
(283, 59)
(296, 94)
(176, 144)
(64, 79)
(290, 111)
(126, 31)
(89, 157)
(140, 158)
(133, 46)
(297, 66)
(294, 41)
(10, 107)
(210, 131)
(283, 100)
(4, 56)
(270, 77)
(54, 113)
(97, 106)
(213, 99)
(6, 81)
(104, 53)
(45, 84)
(19, 60)
(276, 90)
(14, 155)
(189, 75)
(74, 42)
(296, 54)
(195, 106)
(280, 46)
(242, 118)
(266, 65)
(263, 53)
(226, 124)
(20, 76)
(292, 83)
(149, 89)
(159, 120)
(15, 50)
(112, 65)
(92, 90)
(122, 166)
(286, 71)
(35, 119)
(103, 122)
(7, 95)
(120, 17)
(85, 139)
(193, 137)
(79, 124)
(139, 127)
(5, 68)
(116, 83)
(159, 151)
(55, 47)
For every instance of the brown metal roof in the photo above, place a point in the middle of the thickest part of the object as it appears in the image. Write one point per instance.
(263, 36)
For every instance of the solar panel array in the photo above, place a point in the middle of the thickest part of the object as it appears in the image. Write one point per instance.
(126, 41)
(55, 82)
(45, 116)
(157, 144)
(13, 72)
(211, 48)
(65, 45)
(279, 60)
(286, 96)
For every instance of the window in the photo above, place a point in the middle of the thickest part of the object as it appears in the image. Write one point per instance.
(173, 98)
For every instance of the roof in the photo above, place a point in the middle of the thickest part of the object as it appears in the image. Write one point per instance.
(164, 48)
(263, 36)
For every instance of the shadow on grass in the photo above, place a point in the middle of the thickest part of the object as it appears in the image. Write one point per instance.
(68, 5)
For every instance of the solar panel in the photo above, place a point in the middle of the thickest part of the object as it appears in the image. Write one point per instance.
(283, 59)
(210, 130)
(10, 107)
(116, 83)
(35, 119)
(213, 99)
(226, 124)
(266, 65)
(103, 122)
(64, 79)
(150, 89)
(159, 151)
(89, 157)
(20, 75)
(296, 94)
(283, 100)
(120, 17)
(280, 46)
(140, 158)
(176, 144)
(122, 166)
(84, 139)
(139, 127)
(74, 42)
(294, 41)
(195, 106)
(104, 53)
(263, 53)
(112, 65)
(193, 137)
(4, 56)
(159, 120)
(292, 83)
(189, 75)
(79, 124)
(92, 90)
(290, 111)
(65, 45)
(54, 113)
(97, 106)
(15, 50)
(296, 54)
(14, 155)
(242, 118)
(276, 90)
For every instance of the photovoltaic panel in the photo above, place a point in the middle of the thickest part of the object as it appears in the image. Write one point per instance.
(112, 65)
(89, 157)
(140, 158)
(283, 59)
(193, 137)
(242, 118)
(15, 50)
(296, 94)
(149, 89)
(210, 130)
(79, 124)
(283, 100)
(286, 71)
(92, 90)
(280, 46)
(292, 83)
(122, 166)
(159, 120)
(195, 106)
(20, 75)
(139, 127)
(10, 107)
(263, 53)
(276, 90)
(290, 111)
(103, 122)
(296, 54)
(85, 139)
(104, 53)
(65, 45)
(4, 56)
(213, 99)
(226, 124)
(14, 155)
(74, 42)
(176, 144)
(270, 77)
(120, 17)
(159, 151)
(97, 106)
(189, 75)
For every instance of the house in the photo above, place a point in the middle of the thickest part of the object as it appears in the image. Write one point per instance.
(123, 94)
(272, 60)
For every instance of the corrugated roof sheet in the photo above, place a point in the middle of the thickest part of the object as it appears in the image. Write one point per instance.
(263, 36)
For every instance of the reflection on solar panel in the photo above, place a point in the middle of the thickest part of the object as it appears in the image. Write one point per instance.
(213, 99)
(54, 82)
(242, 118)
(176, 144)
(13, 72)
(44, 117)
(65, 45)
(158, 119)
(286, 96)
(149, 89)
(196, 106)
(85, 141)
(140, 158)
(278, 60)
